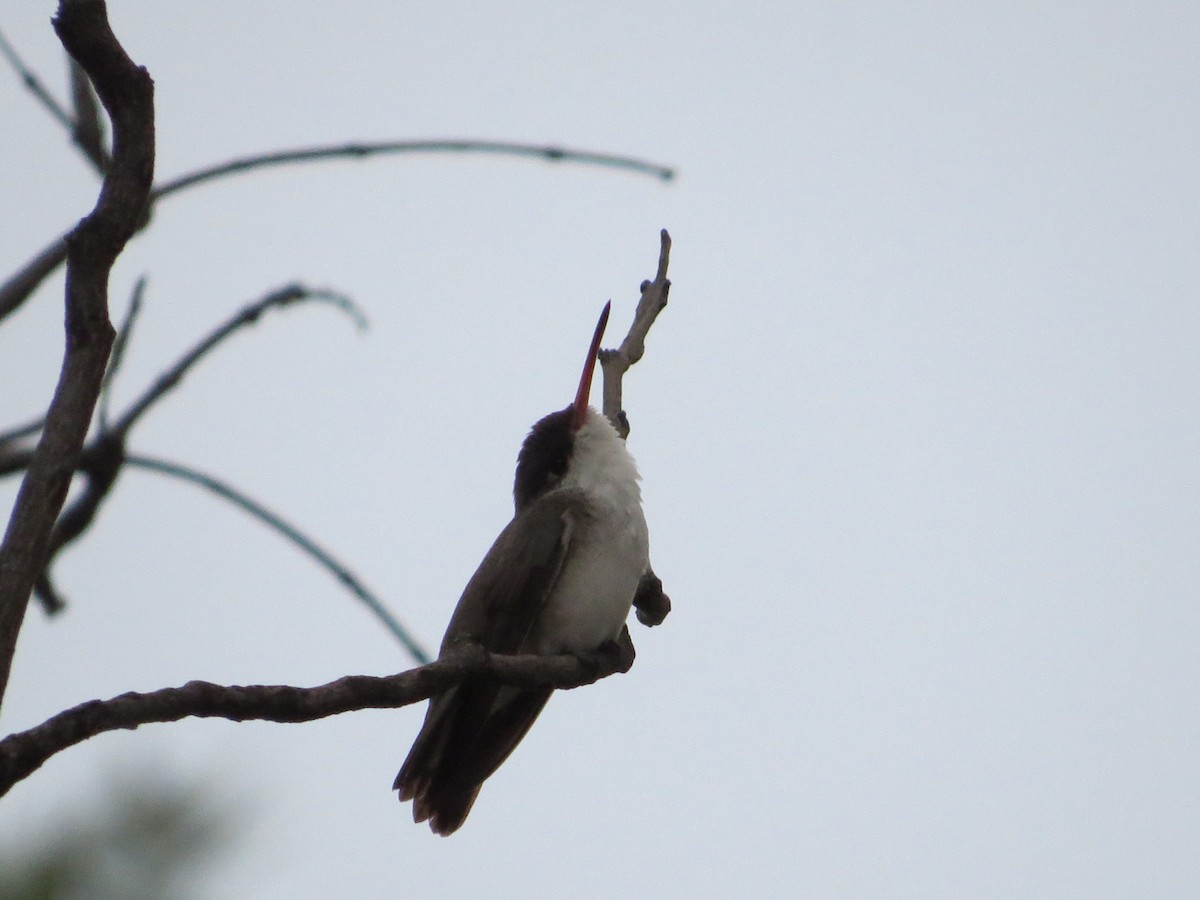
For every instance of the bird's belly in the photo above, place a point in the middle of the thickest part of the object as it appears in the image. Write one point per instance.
(594, 593)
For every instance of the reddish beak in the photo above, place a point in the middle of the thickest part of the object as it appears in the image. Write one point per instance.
(589, 368)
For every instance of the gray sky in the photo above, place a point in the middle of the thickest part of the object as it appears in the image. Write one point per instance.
(918, 432)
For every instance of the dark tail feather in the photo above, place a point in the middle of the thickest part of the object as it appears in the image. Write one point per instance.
(467, 734)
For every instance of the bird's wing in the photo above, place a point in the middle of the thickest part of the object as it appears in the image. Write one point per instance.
(501, 602)
(470, 730)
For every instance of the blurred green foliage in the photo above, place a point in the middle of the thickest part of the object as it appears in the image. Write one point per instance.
(145, 841)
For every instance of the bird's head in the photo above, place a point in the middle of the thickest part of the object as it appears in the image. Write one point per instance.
(547, 453)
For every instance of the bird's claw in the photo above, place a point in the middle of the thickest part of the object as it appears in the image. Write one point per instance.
(651, 603)
(612, 656)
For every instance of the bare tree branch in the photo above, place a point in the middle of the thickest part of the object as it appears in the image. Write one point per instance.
(102, 458)
(284, 296)
(446, 145)
(22, 283)
(87, 128)
(293, 534)
(19, 432)
(23, 753)
(127, 93)
(17, 289)
(118, 350)
(100, 462)
(34, 84)
(615, 363)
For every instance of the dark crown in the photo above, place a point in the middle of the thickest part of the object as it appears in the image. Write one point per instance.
(544, 456)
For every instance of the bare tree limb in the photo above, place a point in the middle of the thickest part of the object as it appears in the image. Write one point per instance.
(17, 289)
(118, 350)
(105, 455)
(102, 458)
(304, 542)
(34, 84)
(284, 296)
(615, 363)
(23, 753)
(127, 93)
(19, 432)
(439, 145)
(87, 128)
(100, 462)
(22, 283)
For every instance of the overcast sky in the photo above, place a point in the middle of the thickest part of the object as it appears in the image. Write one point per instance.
(918, 434)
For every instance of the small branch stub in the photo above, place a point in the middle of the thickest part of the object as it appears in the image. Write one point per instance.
(615, 363)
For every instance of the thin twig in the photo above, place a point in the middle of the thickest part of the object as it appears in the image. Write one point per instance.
(118, 351)
(292, 293)
(127, 93)
(23, 753)
(35, 86)
(293, 534)
(102, 458)
(19, 286)
(87, 128)
(448, 145)
(22, 283)
(615, 363)
(18, 432)
(100, 463)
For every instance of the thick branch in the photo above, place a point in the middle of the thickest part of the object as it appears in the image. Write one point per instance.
(128, 95)
(23, 753)
(615, 363)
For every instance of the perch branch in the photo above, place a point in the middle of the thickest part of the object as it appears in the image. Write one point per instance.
(17, 289)
(23, 753)
(127, 93)
(293, 534)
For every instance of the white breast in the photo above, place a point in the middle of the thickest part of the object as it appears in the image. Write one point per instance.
(609, 545)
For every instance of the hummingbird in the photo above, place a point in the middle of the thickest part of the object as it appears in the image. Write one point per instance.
(560, 578)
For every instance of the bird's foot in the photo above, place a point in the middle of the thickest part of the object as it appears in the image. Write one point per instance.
(651, 603)
(611, 656)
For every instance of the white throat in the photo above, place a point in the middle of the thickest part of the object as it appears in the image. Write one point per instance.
(601, 464)
(611, 545)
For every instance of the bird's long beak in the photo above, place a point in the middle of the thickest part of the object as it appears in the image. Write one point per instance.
(589, 368)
